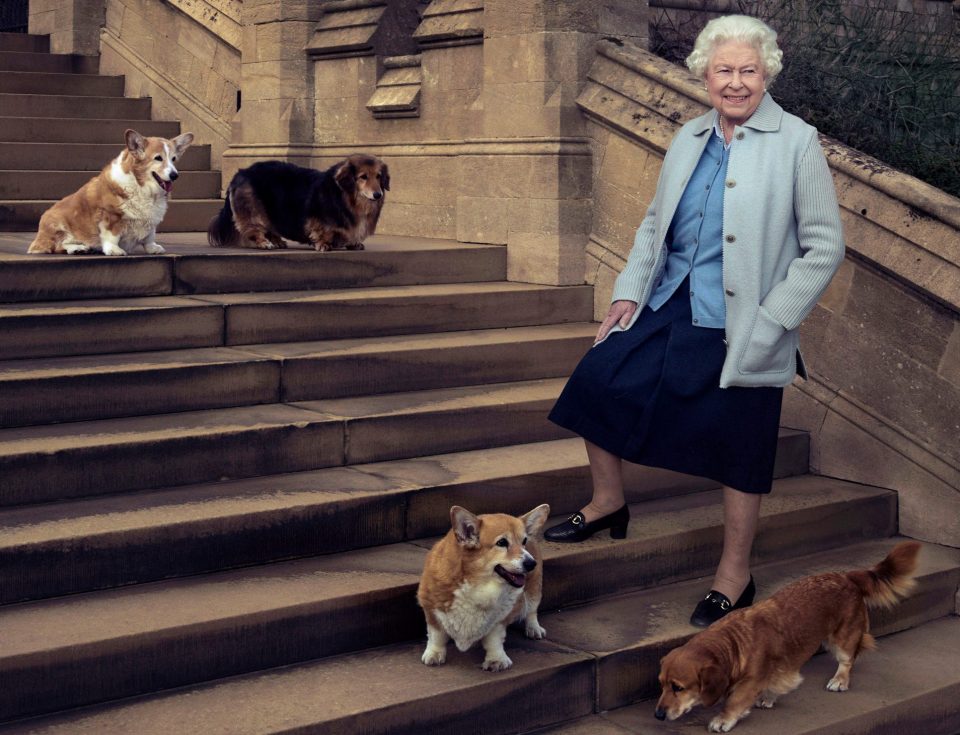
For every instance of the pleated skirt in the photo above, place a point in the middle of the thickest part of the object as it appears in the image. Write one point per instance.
(651, 395)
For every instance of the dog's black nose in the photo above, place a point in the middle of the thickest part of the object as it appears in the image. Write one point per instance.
(378, 195)
(660, 714)
(529, 564)
(174, 176)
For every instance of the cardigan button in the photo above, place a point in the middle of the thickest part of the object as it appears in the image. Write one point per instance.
(729, 292)
(740, 136)
(730, 238)
(731, 183)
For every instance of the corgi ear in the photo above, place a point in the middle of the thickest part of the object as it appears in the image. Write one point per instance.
(714, 683)
(346, 177)
(385, 178)
(466, 527)
(136, 143)
(534, 520)
(182, 142)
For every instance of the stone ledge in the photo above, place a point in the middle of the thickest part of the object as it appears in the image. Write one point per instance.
(398, 89)
(347, 28)
(451, 23)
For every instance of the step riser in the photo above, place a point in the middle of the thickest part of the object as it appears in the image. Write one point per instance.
(182, 216)
(68, 278)
(38, 476)
(84, 157)
(54, 63)
(59, 130)
(306, 321)
(63, 84)
(369, 620)
(98, 108)
(44, 185)
(24, 43)
(199, 325)
(145, 554)
(627, 676)
(118, 393)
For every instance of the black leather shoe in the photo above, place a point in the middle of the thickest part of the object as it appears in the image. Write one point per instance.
(716, 604)
(575, 528)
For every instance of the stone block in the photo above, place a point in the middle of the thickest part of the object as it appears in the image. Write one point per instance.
(625, 164)
(616, 216)
(511, 17)
(537, 57)
(949, 368)
(418, 220)
(113, 19)
(335, 78)
(549, 216)
(458, 67)
(550, 259)
(531, 109)
(482, 219)
(422, 179)
(555, 176)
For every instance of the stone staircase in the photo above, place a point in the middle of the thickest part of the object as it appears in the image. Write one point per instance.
(60, 123)
(220, 472)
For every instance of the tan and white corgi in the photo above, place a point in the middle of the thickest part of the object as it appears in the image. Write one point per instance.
(478, 579)
(119, 208)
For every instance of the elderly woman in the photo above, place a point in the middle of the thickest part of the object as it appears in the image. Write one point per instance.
(687, 373)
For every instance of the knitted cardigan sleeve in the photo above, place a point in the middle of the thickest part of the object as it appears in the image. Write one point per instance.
(820, 234)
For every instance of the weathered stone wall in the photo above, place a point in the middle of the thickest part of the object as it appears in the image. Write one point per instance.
(184, 54)
(883, 345)
(480, 128)
(73, 25)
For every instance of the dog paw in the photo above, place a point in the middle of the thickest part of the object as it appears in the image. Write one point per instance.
(113, 250)
(497, 664)
(838, 685)
(151, 248)
(535, 631)
(721, 724)
(765, 702)
(434, 656)
(74, 249)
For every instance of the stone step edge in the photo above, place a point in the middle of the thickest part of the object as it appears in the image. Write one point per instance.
(461, 672)
(403, 492)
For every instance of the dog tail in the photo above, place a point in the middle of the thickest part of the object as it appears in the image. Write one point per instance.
(221, 233)
(891, 579)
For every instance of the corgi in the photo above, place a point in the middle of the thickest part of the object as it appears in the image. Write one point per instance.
(478, 579)
(119, 208)
(333, 209)
(752, 656)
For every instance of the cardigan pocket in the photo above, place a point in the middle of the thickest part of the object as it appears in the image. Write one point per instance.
(770, 347)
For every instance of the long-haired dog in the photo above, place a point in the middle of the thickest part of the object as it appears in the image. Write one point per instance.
(754, 655)
(119, 208)
(273, 200)
(478, 579)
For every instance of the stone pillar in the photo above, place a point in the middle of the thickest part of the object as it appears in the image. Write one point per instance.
(276, 80)
(532, 190)
(73, 25)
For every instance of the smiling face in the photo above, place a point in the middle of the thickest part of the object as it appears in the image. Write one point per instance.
(735, 82)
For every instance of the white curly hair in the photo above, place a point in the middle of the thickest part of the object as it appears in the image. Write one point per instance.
(741, 28)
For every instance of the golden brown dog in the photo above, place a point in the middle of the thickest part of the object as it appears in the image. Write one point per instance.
(121, 207)
(754, 655)
(331, 209)
(479, 578)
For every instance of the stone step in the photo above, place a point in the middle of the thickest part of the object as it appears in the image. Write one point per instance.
(85, 157)
(48, 185)
(65, 106)
(192, 267)
(47, 62)
(911, 684)
(100, 326)
(80, 85)
(46, 463)
(88, 648)
(183, 215)
(55, 390)
(24, 42)
(64, 548)
(79, 130)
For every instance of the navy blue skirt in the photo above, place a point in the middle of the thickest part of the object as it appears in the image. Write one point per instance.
(651, 395)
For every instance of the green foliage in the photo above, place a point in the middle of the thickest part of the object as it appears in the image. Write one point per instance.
(881, 81)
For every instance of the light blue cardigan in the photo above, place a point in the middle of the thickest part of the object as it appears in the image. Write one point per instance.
(782, 238)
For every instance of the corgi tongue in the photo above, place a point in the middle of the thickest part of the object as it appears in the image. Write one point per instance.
(165, 185)
(516, 580)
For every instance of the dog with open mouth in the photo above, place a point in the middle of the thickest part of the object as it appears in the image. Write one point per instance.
(121, 207)
(478, 579)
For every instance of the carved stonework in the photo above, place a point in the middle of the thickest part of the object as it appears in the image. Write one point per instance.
(398, 88)
(451, 23)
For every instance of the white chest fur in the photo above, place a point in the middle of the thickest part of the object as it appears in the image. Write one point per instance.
(476, 608)
(143, 209)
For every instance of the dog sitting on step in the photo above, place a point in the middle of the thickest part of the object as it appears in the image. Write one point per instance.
(121, 207)
(478, 579)
(754, 655)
